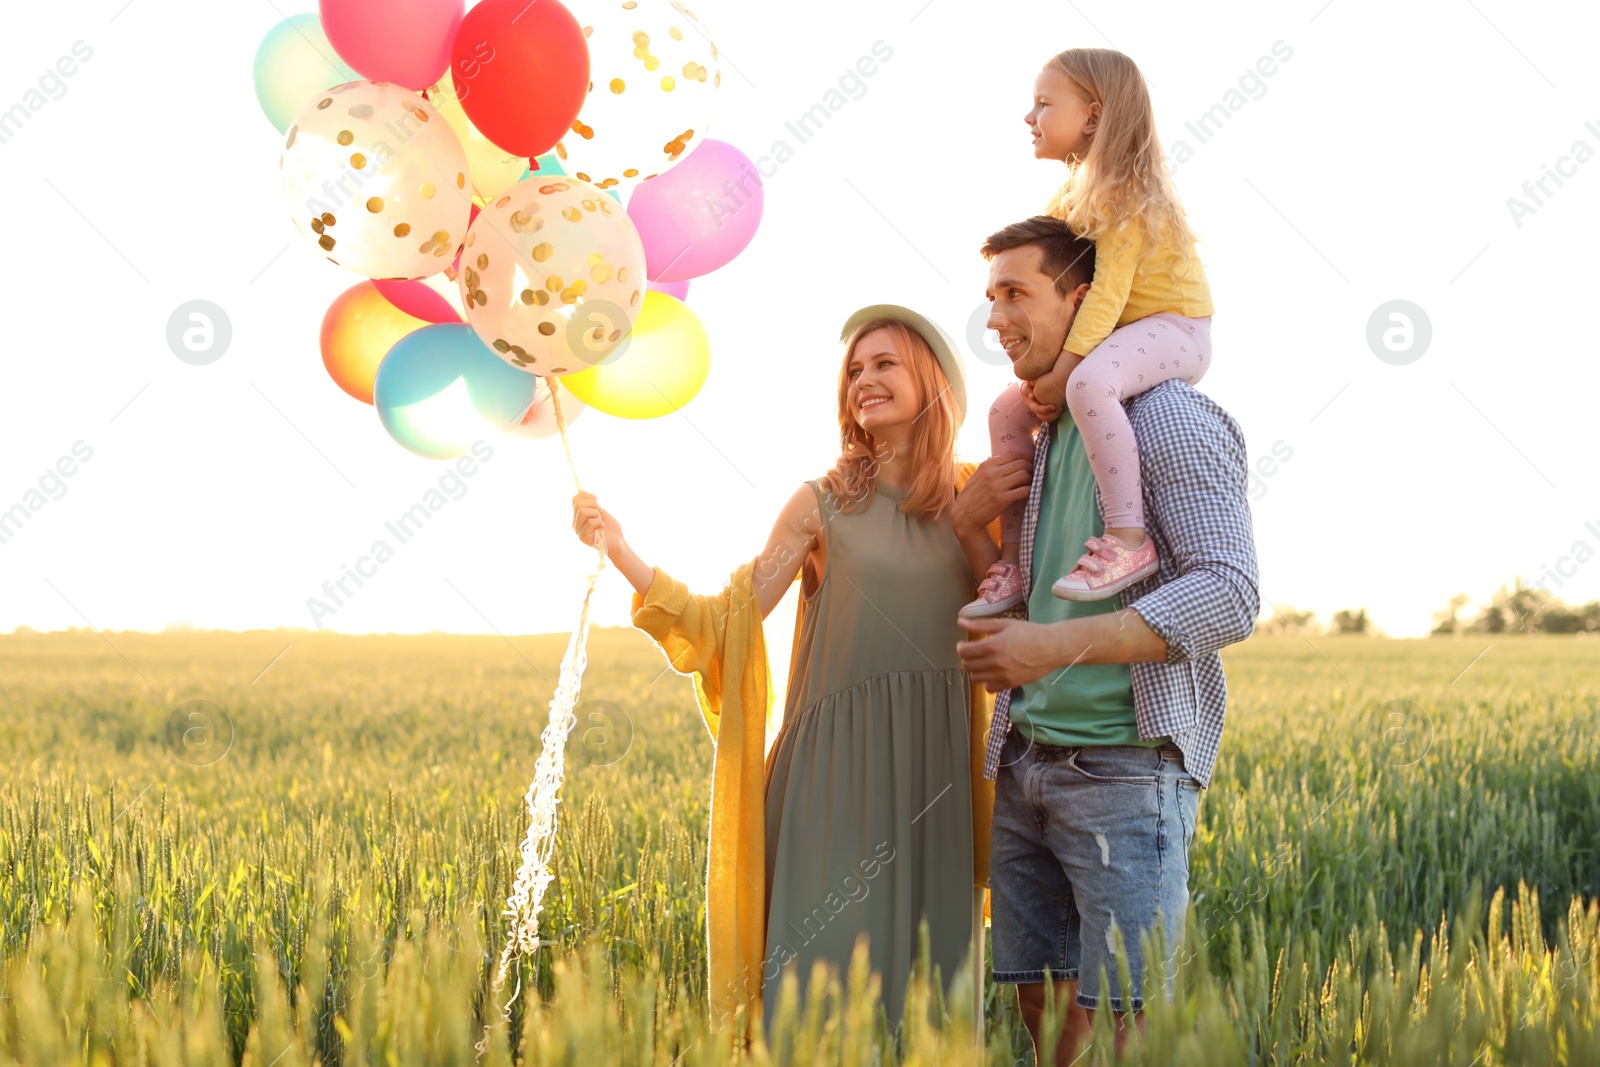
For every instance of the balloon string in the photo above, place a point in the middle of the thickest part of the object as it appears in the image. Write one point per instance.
(561, 424)
(534, 876)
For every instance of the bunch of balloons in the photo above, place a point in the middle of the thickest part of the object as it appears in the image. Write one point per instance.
(489, 148)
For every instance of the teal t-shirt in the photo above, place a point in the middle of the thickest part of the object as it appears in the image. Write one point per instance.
(1082, 704)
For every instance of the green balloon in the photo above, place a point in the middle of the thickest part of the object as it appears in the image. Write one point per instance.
(293, 64)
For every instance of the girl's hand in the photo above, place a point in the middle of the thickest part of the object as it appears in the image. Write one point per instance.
(589, 519)
(1042, 411)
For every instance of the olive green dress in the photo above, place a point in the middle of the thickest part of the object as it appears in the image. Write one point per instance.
(869, 807)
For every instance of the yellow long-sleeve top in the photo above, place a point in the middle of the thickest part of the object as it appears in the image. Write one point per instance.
(719, 640)
(1134, 278)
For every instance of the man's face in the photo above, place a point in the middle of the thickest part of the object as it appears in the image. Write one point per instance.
(1025, 309)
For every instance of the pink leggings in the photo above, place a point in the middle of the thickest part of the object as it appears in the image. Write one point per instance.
(1135, 357)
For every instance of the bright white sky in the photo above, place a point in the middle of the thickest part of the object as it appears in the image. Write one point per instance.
(1375, 166)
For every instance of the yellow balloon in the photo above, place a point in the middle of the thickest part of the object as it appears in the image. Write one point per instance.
(492, 169)
(659, 369)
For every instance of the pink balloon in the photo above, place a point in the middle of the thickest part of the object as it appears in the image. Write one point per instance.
(697, 216)
(676, 290)
(402, 41)
(417, 299)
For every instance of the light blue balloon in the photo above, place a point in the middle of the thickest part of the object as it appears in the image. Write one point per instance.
(440, 389)
(293, 64)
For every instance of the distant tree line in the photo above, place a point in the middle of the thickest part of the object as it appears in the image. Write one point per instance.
(1514, 608)
(1286, 620)
(1518, 608)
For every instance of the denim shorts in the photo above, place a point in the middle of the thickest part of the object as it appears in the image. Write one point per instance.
(1087, 840)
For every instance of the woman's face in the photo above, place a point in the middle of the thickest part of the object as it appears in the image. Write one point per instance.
(880, 393)
(1063, 119)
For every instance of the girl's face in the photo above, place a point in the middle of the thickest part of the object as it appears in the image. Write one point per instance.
(880, 393)
(1063, 119)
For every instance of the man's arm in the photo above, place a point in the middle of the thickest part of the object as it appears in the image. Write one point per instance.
(1194, 461)
(1016, 652)
(1194, 466)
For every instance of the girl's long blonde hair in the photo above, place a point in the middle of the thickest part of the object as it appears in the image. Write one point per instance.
(853, 479)
(1123, 177)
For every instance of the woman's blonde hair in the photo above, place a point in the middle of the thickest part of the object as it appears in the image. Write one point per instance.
(853, 479)
(1123, 177)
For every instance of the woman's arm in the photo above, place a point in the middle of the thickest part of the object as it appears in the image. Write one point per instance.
(796, 534)
(588, 519)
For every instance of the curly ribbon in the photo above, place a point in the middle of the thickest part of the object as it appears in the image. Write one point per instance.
(549, 770)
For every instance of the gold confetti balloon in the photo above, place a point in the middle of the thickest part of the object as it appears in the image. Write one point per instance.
(655, 76)
(377, 180)
(552, 275)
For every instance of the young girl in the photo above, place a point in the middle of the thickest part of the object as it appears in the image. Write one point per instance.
(1146, 318)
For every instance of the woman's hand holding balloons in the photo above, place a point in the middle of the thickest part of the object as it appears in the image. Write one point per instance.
(589, 519)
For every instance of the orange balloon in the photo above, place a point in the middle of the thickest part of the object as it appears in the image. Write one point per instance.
(357, 332)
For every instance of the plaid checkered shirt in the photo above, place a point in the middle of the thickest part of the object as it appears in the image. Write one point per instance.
(1194, 468)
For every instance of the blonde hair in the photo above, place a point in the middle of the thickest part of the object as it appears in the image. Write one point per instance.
(1123, 177)
(853, 479)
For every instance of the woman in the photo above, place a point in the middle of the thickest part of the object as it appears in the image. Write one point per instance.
(872, 813)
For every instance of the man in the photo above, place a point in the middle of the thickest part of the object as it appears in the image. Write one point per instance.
(1108, 718)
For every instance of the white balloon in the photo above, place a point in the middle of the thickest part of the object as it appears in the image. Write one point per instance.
(375, 177)
(552, 275)
(654, 81)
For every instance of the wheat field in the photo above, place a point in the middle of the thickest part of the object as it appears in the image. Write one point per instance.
(280, 848)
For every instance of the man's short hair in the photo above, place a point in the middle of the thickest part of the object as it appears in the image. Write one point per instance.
(1065, 256)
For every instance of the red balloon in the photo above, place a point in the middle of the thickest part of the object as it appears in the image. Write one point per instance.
(521, 72)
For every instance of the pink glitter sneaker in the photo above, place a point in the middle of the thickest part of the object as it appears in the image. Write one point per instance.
(999, 592)
(1108, 568)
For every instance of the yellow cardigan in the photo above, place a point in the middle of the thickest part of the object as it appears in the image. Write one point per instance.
(1133, 279)
(719, 640)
